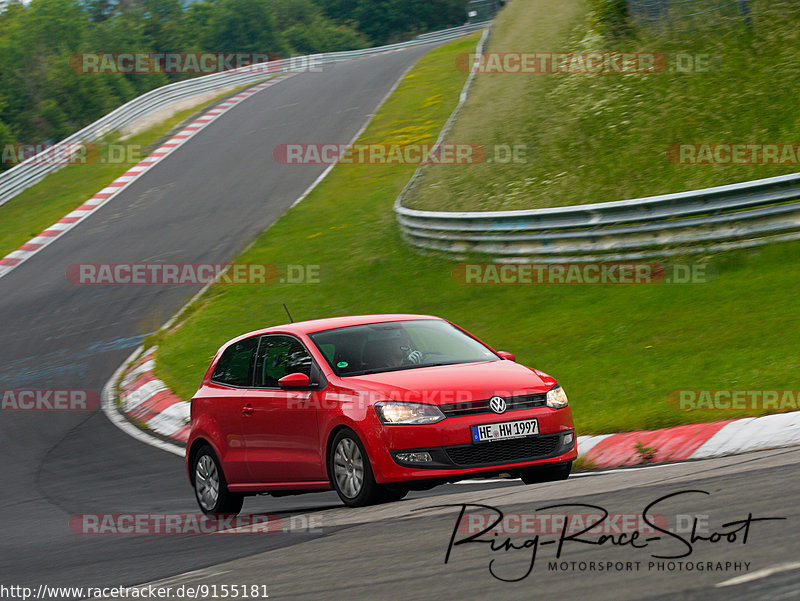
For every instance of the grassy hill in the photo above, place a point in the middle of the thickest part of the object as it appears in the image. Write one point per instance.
(604, 137)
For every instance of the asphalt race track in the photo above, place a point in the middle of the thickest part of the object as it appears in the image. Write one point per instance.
(203, 203)
(398, 551)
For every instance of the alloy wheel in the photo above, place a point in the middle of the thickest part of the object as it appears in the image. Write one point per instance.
(348, 467)
(206, 482)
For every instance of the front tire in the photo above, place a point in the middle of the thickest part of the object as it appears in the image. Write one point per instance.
(210, 486)
(351, 473)
(390, 495)
(550, 473)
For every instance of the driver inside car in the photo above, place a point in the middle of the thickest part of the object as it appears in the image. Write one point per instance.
(395, 353)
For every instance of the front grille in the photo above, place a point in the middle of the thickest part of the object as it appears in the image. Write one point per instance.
(526, 401)
(515, 450)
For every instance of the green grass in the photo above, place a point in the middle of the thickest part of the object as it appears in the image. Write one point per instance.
(600, 138)
(38, 207)
(617, 350)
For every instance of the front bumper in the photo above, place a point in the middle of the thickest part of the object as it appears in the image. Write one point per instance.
(454, 455)
(491, 454)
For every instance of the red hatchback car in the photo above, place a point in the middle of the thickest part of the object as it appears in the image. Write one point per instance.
(372, 406)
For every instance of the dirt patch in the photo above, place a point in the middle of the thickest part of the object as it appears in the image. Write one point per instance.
(164, 113)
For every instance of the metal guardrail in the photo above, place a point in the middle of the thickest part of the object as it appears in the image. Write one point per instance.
(685, 15)
(36, 168)
(720, 218)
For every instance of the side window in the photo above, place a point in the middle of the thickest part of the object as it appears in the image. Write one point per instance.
(235, 367)
(279, 356)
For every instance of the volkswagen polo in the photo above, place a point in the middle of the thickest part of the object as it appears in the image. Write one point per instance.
(371, 406)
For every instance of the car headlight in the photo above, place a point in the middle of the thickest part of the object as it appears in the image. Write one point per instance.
(394, 412)
(557, 398)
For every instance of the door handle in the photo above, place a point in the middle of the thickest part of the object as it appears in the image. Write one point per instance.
(247, 409)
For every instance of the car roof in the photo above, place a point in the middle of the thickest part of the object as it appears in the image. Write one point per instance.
(329, 323)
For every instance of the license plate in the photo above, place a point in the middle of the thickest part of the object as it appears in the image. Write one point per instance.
(503, 430)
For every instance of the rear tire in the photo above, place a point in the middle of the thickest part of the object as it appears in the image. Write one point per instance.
(550, 473)
(210, 486)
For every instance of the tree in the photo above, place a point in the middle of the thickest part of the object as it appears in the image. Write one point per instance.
(48, 92)
(162, 24)
(196, 25)
(6, 139)
(243, 26)
(307, 30)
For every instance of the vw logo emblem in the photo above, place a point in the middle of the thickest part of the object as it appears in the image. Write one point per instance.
(497, 404)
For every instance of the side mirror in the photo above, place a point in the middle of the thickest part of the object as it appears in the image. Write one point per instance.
(507, 356)
(296, 380)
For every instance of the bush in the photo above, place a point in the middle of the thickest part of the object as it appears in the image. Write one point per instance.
(610, 18)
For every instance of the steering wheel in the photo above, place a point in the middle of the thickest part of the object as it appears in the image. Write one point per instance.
(416, 357)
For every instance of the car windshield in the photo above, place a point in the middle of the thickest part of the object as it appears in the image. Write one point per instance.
(398, 345)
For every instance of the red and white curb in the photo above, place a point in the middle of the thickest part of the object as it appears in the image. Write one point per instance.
(692, 441)
(63, 225)
(147, 400)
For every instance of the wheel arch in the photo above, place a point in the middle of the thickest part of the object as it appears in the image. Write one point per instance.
(329, 447)
(192, 451)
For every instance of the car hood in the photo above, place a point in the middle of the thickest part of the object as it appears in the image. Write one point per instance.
(464, 382)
